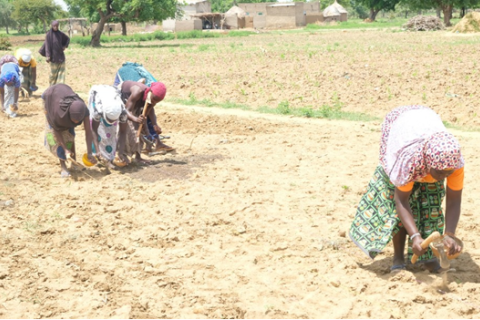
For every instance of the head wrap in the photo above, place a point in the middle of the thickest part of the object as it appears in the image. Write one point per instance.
(442, 151)
(414, 140)
(158, 89)
(9, 76)
(55, 23)
(62, 106)
(26, 56)
(107, 102)
(77, 110)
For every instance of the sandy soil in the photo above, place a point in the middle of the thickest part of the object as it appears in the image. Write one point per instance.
(247, 219)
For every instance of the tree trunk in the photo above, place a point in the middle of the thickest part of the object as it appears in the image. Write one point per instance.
(124, 28)
(44, 26)
(373, 14)
(447, 15)
(462, 12)
(406, 14)
(6, 28)
(438, 11)
(95, 42)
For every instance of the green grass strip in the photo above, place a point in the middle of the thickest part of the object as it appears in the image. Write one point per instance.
(325, 112)
(160, 35)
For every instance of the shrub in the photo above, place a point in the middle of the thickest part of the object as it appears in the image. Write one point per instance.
(4, 42)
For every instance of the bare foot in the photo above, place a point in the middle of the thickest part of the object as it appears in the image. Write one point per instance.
(163, 147)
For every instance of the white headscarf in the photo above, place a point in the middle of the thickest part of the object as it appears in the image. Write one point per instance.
(106, 101)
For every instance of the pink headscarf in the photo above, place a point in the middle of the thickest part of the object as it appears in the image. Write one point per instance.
(414, 141)
(158, 89)
(442, 151)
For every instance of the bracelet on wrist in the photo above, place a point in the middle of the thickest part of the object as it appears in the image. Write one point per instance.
(450, 234)
(417, 234)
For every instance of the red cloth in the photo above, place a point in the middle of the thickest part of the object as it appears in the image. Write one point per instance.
(158, 89)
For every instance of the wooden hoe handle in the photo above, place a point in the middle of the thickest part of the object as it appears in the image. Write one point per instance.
(433, 237)
(144, 113)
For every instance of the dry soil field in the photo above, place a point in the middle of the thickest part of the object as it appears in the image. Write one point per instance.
(248, 218)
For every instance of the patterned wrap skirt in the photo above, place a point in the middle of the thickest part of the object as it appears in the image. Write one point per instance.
(377, 221)
(107, 140)
(55, 148)
(57, 73)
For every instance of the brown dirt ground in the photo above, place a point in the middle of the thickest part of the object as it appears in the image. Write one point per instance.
(248, 218)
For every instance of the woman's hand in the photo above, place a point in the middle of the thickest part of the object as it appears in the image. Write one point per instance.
(417, 246)
(69, 154)
(451, 245)
(141, 119)
(157, 129)
(92, 159)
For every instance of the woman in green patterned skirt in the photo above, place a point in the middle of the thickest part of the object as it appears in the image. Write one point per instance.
(406, 191)
(65, 110)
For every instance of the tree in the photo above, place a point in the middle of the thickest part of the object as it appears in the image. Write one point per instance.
(376, 6)
(446, 6)
(138, 10)
(32, 11)
(6, 10)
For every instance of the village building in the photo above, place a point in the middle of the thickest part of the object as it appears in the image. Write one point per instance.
(267, 15)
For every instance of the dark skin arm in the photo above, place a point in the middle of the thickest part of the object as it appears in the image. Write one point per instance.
(452, 216)
(89, 139)
(2, 96)
(453, 209)
(135, 96)
(153, 118)
(95, 126)
(122, 137)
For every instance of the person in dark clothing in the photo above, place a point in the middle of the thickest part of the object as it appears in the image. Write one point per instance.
(64, 111)
(55, 44)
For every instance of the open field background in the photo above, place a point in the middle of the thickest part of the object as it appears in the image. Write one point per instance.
(248, 218)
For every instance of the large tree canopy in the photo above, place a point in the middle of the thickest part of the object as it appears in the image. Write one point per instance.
(135, 10)
(6, 10)
(376, 6)
(445, 5)
(31, 11)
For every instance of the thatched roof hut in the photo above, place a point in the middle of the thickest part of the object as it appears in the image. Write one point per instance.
(335, 11)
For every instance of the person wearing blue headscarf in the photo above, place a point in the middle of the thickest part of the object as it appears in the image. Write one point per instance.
(9, 86)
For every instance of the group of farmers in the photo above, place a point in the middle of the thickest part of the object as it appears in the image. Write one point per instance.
(118, 119)
(404, 197)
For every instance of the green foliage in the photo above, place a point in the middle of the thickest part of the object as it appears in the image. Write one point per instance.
(103, 11)
(359, 24)
(160, 35)
(284, 107)
(5, 42)
(28, 12)
(6, 10)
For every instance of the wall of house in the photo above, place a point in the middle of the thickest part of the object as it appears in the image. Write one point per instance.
(249, 22)
(232, 21)
(188, 25)
(279, 17)
(254, 9)
(299, 15)
(311, 7)
(259, 22)
(314, 18)
(168, 25)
